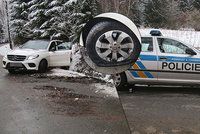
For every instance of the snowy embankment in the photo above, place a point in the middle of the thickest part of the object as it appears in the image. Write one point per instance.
(190, 37)
(4, 49)
(105, 87)
(65, 73)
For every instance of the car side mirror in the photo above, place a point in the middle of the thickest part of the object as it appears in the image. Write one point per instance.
(190, 51)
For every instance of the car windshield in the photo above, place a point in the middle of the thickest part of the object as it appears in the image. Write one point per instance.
(35, 44)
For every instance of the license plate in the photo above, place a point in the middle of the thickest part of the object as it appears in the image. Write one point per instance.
(16, 65)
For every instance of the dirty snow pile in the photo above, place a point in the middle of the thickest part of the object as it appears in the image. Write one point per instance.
(79, 65)
(105, 89)
(4, 49)
(65, 73)
(72, 74)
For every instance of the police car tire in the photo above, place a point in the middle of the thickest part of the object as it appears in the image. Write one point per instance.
(123, 83)
(98, 30)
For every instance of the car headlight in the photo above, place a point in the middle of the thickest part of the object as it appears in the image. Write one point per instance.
(31, 57)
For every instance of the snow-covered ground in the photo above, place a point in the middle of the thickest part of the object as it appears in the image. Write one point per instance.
(103, 88)
(4, 49)
(57, 72)
(65, 73)
(106, 89)
(190, 37)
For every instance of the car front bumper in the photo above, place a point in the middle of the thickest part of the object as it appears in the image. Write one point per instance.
(26, 64)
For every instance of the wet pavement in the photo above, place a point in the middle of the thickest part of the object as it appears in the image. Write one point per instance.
(36, 104)
(162, 110)
(32, 104)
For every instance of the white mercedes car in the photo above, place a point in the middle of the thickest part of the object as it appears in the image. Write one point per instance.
(38, 55)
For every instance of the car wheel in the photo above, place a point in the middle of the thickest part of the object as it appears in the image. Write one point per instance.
(12, 71)
(42, 66)
(112, 44)
(120, 81)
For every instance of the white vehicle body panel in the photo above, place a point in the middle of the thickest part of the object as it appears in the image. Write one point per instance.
(178, 69)
(120, 18)
(60, 58)
(54, 59)
(124, 20)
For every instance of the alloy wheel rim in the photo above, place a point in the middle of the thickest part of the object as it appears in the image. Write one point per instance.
(117, 80)
(114, 46)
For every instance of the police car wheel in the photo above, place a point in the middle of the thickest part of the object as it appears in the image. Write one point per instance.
(120, 81)
(110, 44)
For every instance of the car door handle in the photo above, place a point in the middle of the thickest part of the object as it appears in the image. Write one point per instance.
(163, 58)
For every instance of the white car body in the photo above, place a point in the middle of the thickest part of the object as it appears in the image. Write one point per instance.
(23, 58)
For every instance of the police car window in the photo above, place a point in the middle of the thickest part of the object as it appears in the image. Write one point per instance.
(147, 44)
(171, 46)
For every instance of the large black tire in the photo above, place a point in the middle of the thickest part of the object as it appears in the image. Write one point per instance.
(42, 66)
(120, 81)
(100, 29)
(12, 71)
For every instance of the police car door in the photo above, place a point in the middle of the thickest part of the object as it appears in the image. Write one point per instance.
(177, 62)
(141, 71)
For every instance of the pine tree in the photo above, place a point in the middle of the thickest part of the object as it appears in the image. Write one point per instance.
(1, 33)
(155, 11)
(186, 5)
(196, 4)
(19, 17)
(79, 13)
(136, 14)
(59, 20)
(38, 19)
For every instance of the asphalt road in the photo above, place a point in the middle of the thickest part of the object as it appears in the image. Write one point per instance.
(161, 110)
(33, 104)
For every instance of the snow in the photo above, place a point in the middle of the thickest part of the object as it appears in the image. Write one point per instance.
(35, 13)
(65, 73)
(76, 58)
(57, 35)
(189, 37)
(103, 88)
(70, 2)
(108, 90)
(54, 3)
(53, 10)
(4, 49)
(106, 78)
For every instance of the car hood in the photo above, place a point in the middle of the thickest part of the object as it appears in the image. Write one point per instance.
(25, 52)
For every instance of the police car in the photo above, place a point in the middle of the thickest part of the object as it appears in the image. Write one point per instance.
(162, 61)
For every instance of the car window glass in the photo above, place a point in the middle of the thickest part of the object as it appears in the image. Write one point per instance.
(147, 44)
(64, 46)
(52, 46)
(35, 44)
(171, 46)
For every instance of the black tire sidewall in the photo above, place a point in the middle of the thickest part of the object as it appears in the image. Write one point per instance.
(42, 66)
(12, 71)
(103, 27)
(123, 84)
